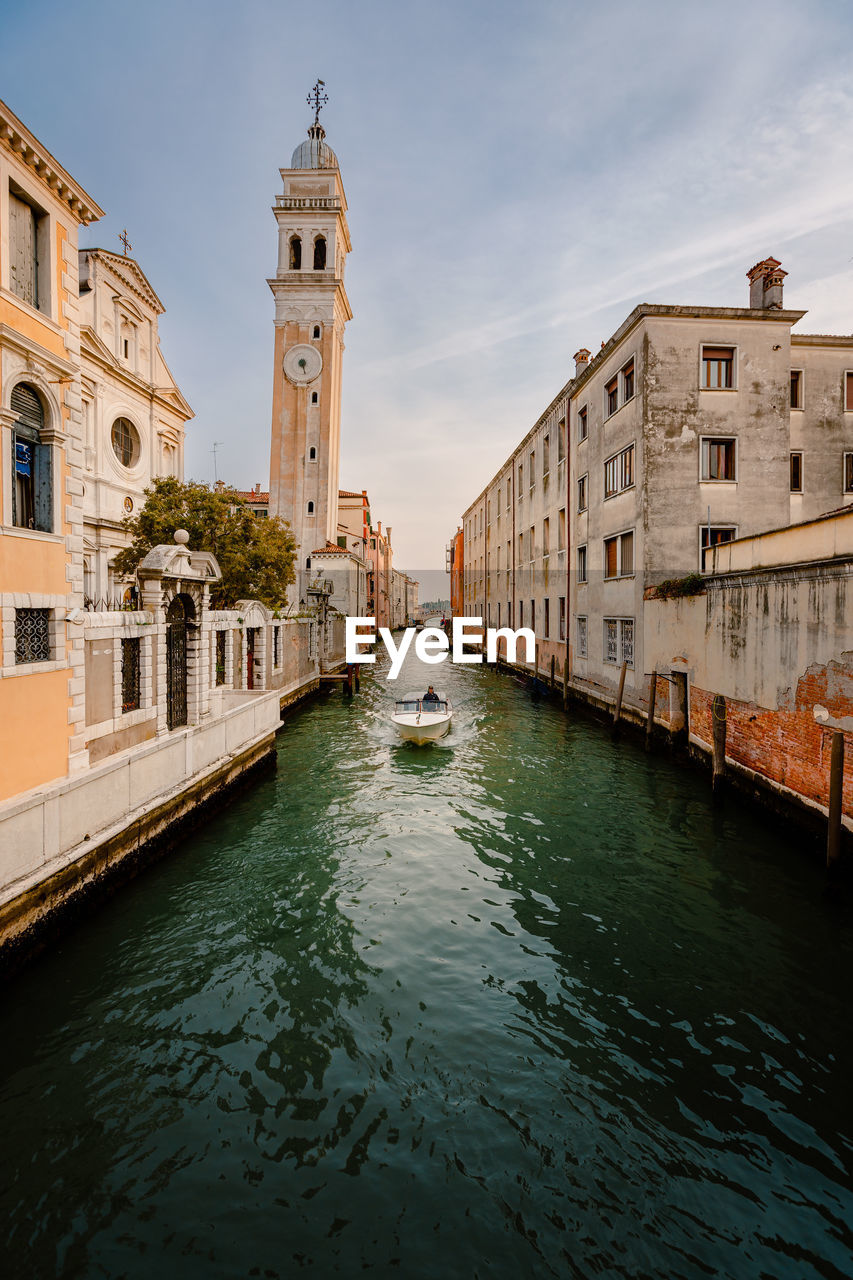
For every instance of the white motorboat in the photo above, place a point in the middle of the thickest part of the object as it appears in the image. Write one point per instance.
(419, 718)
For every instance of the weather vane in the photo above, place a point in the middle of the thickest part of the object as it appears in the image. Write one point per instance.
(124, 240)
(317, 99)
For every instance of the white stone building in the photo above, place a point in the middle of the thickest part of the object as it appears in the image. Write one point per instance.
(134, 414)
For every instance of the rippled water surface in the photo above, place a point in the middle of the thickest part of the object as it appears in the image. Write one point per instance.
(518, 1004)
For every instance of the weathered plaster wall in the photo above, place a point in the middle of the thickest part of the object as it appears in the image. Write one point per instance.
(778, 646)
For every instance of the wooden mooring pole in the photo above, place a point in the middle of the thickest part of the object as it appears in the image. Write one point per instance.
(565, 684)
(553, 665)
(650, 717)
(836, 785)
(718, 719)
(617, 712)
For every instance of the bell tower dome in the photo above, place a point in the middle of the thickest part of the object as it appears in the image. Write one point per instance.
(311, 312)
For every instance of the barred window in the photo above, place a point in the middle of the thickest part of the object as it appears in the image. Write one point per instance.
(627, 638)
(276, 646)
(220, 657)
(611, 639)
(581, 637)
(619, 640)
(131, 688)
(32, 635)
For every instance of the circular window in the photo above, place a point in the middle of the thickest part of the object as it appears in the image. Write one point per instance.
(125, 440)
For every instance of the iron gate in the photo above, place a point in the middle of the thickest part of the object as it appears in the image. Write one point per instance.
(176, 663)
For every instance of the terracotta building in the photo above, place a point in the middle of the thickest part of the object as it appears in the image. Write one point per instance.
(41, 478)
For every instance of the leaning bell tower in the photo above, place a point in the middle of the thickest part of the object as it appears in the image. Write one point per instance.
(311, 311)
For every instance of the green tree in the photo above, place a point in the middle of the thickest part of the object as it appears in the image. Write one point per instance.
(256, 556)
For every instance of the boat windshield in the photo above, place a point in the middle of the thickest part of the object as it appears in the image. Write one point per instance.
(418, 702)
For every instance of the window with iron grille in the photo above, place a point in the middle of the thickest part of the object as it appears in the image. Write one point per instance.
(32, 635)
(627, 638)
(276, 646)
(619, 640)
(562, 617)
(220, 656)
(611, 639)
(848, 473)
(581, 637)
(131, 684)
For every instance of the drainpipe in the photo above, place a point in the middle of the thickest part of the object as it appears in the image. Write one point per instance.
(512, 481)
(568, 533)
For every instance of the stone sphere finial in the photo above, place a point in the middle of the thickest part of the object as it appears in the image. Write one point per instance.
(181, 537)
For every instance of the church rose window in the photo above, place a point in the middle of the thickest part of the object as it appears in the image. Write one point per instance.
(125, 441)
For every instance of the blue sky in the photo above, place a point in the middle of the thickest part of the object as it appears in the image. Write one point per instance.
(519, 176)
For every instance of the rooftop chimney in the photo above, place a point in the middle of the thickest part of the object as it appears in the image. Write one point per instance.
(581, 361)
(765, 285)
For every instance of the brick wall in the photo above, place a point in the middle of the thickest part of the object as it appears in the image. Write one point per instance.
(787, 745)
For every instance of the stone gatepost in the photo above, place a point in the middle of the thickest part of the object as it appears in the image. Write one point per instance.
(167, 572)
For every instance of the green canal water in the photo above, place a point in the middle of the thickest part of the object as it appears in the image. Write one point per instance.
(519, 1004)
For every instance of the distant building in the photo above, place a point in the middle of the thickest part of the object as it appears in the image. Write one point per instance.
(257, 499)
(134, 415)
(455, 553)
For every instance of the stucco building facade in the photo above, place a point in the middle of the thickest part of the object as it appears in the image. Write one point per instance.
(692, 426)
(41, 451)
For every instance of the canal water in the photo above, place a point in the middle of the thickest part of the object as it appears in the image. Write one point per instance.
(517, 1004)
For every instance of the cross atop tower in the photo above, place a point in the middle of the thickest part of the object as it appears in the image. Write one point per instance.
(317, 99)
(124, 240)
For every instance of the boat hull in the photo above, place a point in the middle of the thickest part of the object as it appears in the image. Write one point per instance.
(425, 727)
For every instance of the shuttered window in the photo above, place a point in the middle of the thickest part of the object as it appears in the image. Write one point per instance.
(23, 250)
(32, 488)
(848, 393)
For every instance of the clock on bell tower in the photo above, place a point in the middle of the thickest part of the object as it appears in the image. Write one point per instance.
(311, 310)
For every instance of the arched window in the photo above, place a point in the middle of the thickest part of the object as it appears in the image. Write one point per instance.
(312, 453)
(32, 484)
(320, 253)
(310, 508)
(316, 331)
(295, 253)
(307, 562)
